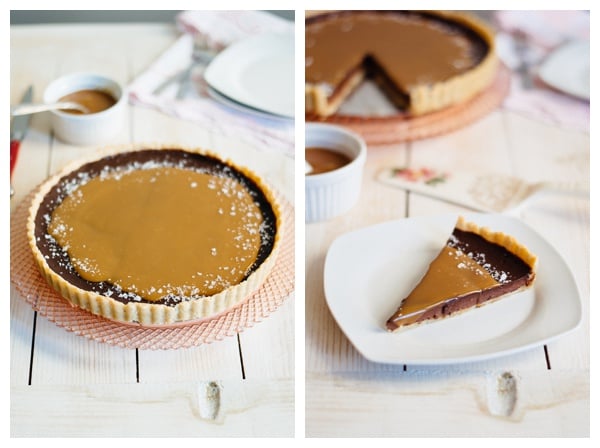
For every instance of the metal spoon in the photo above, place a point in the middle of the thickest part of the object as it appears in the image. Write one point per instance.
(26, 109)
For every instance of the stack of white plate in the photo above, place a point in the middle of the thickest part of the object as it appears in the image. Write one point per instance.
(256, 76)
(567, 69)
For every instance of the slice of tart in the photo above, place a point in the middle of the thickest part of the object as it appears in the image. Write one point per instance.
(155, 236)
(422, 60)
(475, 267)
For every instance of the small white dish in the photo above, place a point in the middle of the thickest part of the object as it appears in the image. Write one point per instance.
(369, 271)
(98, 128)
(568, 69)
(333, 193)
(257, 72)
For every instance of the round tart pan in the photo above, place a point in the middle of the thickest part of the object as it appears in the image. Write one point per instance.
(33, 289)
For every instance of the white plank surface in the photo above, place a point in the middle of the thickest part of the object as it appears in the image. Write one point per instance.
(228, 408)
(439, 404)
(62, 379)
(21, 335)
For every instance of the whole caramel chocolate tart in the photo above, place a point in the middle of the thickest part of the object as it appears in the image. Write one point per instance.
(475, 267)
(422, 60)
(155, 236)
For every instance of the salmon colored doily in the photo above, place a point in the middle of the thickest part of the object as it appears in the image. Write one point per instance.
(31, 286)
(400, 128)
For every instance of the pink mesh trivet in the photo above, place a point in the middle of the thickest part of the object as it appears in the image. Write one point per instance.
(26, 278)
(393, 129)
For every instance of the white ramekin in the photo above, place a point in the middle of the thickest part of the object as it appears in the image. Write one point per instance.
(97, 128)
(333, 193)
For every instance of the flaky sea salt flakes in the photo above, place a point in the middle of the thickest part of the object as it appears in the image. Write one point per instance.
(224, 184)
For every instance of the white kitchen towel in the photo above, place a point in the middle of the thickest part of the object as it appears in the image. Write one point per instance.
(216, 30)
(540, 33)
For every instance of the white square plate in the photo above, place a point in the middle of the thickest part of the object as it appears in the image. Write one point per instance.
(368, 272)
(257, 72)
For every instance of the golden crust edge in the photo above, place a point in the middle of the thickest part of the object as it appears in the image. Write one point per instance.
(509, 242)
(147, 313)
(426, 99)
(315, 95)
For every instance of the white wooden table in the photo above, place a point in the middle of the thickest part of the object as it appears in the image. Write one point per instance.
(66, 385)
(348, 396)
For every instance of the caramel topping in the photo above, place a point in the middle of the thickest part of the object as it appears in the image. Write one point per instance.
(410, 48)
(93, 100)
(138, 231)
(450, 275)
(323, 160)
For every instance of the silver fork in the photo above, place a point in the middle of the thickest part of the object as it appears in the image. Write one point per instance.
(201, 55)
(524, 69)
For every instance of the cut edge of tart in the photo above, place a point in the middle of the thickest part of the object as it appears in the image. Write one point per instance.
(144, 312)
(424, 98)
(470, 272)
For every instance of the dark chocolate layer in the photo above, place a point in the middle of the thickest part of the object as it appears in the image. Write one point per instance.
(58, 259)
(502, 264)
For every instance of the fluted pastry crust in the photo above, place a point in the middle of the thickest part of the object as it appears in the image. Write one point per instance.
(145, 313)
(509, 242)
